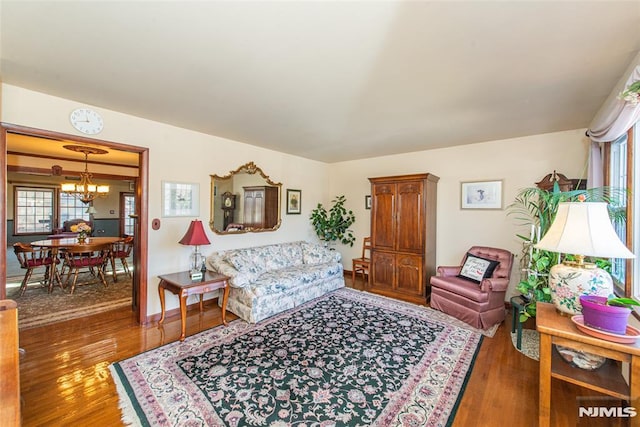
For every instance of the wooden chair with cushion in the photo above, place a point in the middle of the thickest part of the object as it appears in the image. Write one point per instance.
(361, 265)
(90, 257)
(31, 258)
(121, 251)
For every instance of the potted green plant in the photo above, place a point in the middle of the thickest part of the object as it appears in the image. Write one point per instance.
(536, 208)
(333, 225)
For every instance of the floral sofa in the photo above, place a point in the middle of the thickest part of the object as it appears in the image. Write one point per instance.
(266, 280)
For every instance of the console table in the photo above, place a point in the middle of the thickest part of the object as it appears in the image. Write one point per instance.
(181, 284)
(557, 329)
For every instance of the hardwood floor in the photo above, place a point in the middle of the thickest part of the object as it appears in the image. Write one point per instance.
(65, 379)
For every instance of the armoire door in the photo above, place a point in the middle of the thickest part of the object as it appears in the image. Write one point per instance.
(253, 208)
(409, 217)
(383, 270)
(383, 218)
(409, 273)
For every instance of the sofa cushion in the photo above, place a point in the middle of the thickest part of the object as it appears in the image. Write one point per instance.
(281, 256)
(217, 262)
(246, 260)
(285, 280)
(268, 305)
(476, 268)
(316, 254)
(260, 259)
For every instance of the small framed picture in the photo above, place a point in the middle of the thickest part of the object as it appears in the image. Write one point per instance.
(481, 195)
(294, 202)
(180, 199)
(367, 202)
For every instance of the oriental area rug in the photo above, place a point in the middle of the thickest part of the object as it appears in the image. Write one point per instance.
(38, 307)
(348, 358)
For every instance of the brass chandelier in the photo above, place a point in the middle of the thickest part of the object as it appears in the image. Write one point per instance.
(85, 190)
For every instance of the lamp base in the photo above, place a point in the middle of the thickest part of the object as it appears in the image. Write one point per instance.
(196, 261)
(568, 282)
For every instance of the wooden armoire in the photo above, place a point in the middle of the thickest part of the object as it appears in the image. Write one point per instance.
(260, 206)
(403, 236)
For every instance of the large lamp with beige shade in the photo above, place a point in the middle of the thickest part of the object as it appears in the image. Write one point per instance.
(581, 229)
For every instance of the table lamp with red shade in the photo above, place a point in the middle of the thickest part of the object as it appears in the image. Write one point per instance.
(195, 236)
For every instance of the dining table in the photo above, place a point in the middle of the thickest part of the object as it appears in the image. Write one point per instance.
(72, 244)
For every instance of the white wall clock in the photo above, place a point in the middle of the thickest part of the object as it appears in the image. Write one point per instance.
(86, 121)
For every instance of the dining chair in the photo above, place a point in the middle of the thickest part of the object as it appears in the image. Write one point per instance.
(121, 251)
(91, 258)
(31, 258)
(361, 265)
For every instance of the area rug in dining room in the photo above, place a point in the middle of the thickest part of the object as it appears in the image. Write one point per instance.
(347, 358)
(38, 307)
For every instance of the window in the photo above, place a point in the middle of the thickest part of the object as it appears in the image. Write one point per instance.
(128, 202)
(34, 208)
(620, 164)
(618, 179)
(72, 208)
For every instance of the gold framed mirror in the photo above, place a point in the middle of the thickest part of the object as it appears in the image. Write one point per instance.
(245, 201)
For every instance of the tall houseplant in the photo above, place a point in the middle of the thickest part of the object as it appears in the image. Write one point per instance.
(536, 208)
(333, 225)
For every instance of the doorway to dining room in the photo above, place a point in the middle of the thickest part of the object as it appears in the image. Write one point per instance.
(46, 147)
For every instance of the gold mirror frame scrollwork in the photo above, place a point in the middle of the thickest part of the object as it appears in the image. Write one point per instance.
(250, 169)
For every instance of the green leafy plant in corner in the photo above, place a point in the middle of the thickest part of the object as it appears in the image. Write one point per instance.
(537, 207)
(536, 284)
(333, 225)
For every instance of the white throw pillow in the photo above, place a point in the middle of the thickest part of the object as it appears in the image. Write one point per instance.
(476, 268)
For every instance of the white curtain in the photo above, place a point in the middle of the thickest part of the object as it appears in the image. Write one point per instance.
(595, 172)
(613, 120)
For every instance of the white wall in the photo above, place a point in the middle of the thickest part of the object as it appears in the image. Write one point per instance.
(184, 156)
(519, 162)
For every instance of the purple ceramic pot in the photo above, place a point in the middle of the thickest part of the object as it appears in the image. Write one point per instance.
(610, 318)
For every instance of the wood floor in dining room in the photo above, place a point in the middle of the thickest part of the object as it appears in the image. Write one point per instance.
(65, 378)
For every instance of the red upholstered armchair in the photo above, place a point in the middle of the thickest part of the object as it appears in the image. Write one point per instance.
(481, 303)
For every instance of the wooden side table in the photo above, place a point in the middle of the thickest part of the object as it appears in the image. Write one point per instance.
(181, 284)
(557, 329)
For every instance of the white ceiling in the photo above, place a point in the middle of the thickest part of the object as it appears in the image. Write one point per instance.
(329, 80)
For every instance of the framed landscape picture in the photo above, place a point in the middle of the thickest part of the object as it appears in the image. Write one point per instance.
(180, 199)
(294, 202)
(481, 195)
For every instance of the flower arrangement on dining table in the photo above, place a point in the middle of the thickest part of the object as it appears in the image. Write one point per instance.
(83, 229)
(631, 94)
